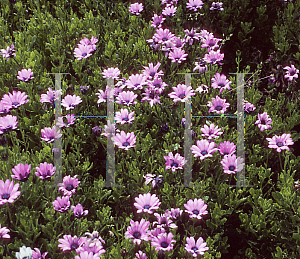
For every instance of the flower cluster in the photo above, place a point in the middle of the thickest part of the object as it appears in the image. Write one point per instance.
(85, 48)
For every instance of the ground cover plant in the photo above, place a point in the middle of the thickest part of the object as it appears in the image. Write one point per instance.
(146, 48)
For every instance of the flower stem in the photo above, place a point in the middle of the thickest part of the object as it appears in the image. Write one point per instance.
(280, 161)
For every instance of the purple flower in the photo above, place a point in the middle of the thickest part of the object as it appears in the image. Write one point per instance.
(127, 98)
(216, 6)
(249, 107)
(146, 203)
(70, 120)
(83, 89)
(177, 55)
(195, 248)
(203, 149)
(156, 181)
(163, 35)
(83, 51)
(50, 135)
(3, 232)
(196, 208)
(109, 130)
(125, 141)
(201, 66)
(14, 100)
(271, 78)
(85, 41)
(4, 108)
(157, 84)
(8, 123)
(211, 132)
(174, 213)
(25, 75)
(155, 232)
(136, 8)
(169, 2)
(37, 254)
(21, 172)
(140, 255)
(181, 93)
(61, 204)
(78, 211)
(291, 72)
(214, 57)
(218, 105)
(191, 36)
(124, 117)
(210, 42)
(112, 72)
(169, 11)
(70, 101)
(102, 96)
(94, 243)
(97, 131)
(8, 191)
(151, 95)
(50, 96)
(194, 4)
(264, 121)
(231, 164)
(220, 81)
(164, 221)
(174, 162)
(69, 185)
(136, 81)
(45, 170)
(163, 242)
(157, 21)
(152, 71)
(138, 231)
(8, 52)
(87, 255)
(280, 142)
(227, 148)
(69, 243)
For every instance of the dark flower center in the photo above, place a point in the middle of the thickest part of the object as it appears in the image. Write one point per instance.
(231, 168)
(211, 44)
(164, 244)
(84, 54)
(74, 246)
(15, 103)
(176, 59)
(174, 164)
(69, 187)
(182, 95)
(127, 101)
(195, 249)
(5, 196)
(263, 122)
(152, 73)
(164, 39)
(146, 207)
(221, 85)
(196, 212)
(157, 85)
(136, 85)
(292, 73)
(25, 257)
(213, 60)
(137, 234)
(51, 138)
(151, 96)
(125, 144)
(204, 152)
(218, 108)
(279, 144)
(125, 119)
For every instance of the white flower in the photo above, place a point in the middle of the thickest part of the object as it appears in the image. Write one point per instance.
(25, 253)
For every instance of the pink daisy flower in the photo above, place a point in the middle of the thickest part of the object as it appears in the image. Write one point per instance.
(125, 141)
(61, 204)
(231, 164)
(181, 93)
(45, 170)
(163, 242)
(69, 243)
(21, 172)
(146, 203)
(15, 100)
(138, 231)
(136, 8)
(177, 55)
(69, 185)
(83, 51)
(70, 101)
(264, 121)
(218, 105)
(111, 72)
(8, 191)
(25, 75)
(174, 162)
(196, 208)
(50, 135)
(203, 149)
(195, 248)
(280, 142)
